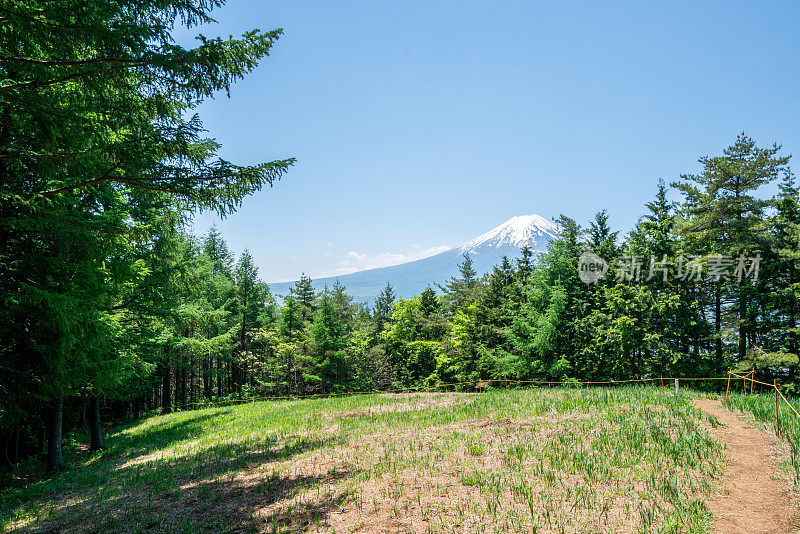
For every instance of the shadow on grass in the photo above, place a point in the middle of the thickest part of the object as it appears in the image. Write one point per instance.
(199, 492)
(246, 505)
(161, 436)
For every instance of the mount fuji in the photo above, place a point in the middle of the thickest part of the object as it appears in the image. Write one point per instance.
(409, 279)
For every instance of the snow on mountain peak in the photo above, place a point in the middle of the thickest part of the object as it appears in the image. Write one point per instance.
(517, 232)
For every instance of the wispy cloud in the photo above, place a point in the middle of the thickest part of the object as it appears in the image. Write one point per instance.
(355, 261)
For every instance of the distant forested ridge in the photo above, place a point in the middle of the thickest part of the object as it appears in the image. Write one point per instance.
(109, 306)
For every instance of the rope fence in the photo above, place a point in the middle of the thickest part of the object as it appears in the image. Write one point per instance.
(778, 393)
(481, 384)
(444, 387)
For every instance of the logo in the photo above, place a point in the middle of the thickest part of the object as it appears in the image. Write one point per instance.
(591, 268)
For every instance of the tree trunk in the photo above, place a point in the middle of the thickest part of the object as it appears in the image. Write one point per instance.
(5, 456)
(718, 323)
(166, 391)
(95, 430)
(55, 458)
(240, 368)
(792, 313)
(219, 376)
(742, 318)
(183, 386)
(742, 326)
(208, 383)
(15, 445)
(234, 375)
(193, 381)
(84, 421)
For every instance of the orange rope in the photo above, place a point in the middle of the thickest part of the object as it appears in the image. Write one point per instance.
(437, 388)
(787, 402)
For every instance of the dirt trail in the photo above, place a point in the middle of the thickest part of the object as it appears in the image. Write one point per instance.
(752, 499)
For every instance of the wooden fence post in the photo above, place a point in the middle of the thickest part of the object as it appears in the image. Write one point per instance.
(777, 421)
(752, 380)
(728, 387)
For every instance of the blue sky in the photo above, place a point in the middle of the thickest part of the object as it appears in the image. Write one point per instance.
(419, 125)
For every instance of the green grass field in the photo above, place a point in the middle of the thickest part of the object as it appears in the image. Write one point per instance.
(547, 460)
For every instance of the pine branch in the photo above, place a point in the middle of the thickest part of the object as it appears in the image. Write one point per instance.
(52, 192)
(34, 84)
(72, 63)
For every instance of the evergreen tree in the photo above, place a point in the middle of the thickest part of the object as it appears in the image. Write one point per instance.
(97, 153)
(343, 305)
(602, 240)
(291, 319)
(524, 263)
(786, 243)
(299, 368)
(252, 297)
(383, 307)
(723, 212)
(459, 291)
(329, 339)
(303, 292)
(215, 247)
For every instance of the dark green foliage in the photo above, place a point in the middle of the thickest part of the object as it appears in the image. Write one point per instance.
(101, 160)
(383, 306)
(303, 292)
(601, 239)
(459, 291)
(329, 340)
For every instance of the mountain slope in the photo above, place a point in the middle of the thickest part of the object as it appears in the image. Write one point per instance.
(411, 278)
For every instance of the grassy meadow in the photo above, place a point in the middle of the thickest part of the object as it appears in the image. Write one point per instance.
(635, 459)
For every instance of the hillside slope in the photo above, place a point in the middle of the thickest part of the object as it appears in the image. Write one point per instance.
(576, 460)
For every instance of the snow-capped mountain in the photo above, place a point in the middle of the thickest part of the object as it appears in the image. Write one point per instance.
(408, 279)
(516, 232)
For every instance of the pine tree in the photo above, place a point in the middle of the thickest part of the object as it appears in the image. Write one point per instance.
(602, 240)
(524, 263)
(786, 242)
(329, 339)
(383, 307)
(459, 291)
(215, 247)
(723, 212)
(252, 296)
(343, 305)
(303, 292)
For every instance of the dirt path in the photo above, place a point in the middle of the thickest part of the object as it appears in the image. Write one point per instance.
(752, 499)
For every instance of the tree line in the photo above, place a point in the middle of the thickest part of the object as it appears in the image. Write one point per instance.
(102, 161)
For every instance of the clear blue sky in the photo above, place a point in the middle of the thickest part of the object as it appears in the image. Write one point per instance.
(418, 125)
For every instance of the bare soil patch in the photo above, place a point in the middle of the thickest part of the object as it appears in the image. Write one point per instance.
(753, 499)
(416, 402)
